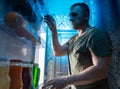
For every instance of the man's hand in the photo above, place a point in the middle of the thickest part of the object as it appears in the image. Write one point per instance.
(57, 83)
(50, 22)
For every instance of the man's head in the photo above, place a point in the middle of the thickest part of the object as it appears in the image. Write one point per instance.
(79, 15)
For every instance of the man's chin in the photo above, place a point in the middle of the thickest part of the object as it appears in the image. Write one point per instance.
(74, 27)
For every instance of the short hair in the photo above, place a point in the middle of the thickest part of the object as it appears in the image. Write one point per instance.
(84, 7)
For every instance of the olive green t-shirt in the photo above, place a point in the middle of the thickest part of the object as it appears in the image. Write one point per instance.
(92, 42)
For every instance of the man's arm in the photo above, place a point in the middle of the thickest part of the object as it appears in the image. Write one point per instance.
(99, 70)
(57, 48)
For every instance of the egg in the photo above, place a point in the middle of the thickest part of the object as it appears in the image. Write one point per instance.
(13, 19)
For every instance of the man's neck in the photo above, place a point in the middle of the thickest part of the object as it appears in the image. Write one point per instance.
(82, 30)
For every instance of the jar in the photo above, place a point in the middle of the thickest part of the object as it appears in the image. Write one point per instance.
(4, 74)
(15, 73)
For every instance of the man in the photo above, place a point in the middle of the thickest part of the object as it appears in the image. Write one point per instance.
(89, 52)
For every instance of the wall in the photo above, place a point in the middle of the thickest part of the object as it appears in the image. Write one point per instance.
(105, 15)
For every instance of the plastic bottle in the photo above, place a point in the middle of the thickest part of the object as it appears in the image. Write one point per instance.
(15, 73)
(36, 74)
(4, 74)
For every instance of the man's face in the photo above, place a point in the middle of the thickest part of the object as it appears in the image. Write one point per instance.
(76, 17)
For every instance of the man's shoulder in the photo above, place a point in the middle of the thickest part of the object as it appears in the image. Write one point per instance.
(97, 31)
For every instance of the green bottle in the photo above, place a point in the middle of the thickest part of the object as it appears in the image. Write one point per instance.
(36, 74)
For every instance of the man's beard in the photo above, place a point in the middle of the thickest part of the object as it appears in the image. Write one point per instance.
(77, 23)
(75, 27)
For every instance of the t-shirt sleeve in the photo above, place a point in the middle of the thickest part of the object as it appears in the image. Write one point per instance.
(100, 45)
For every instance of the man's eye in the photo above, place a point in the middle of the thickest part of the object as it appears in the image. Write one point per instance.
(73, 14)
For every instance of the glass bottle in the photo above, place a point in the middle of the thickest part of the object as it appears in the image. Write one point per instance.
(26, 75)
(31, 73)
(4, 74)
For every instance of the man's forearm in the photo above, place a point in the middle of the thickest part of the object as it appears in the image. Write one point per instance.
(89, 75)
(55, 42)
